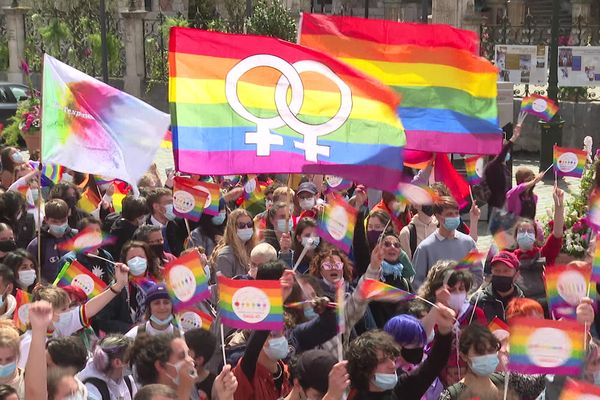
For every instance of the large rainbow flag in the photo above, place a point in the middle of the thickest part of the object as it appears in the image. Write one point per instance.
(230, 109)
(448, 93)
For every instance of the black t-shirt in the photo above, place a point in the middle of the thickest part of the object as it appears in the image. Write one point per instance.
(204, 388)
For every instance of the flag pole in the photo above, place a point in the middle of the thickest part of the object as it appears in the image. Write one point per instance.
(223, 344)
(39, 199)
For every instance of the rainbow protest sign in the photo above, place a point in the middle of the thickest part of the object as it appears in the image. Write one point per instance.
(193, 319)
(186, 281)
(188, 202)
(256, 305)
(569, 162)
(540, 346)
(336, 223)
(593, 215)
(565, 287)
(76, 274)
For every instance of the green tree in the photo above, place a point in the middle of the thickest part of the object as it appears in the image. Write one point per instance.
(272, 18)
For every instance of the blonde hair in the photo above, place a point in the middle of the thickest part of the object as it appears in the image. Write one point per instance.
(264, 250)
(53, 295)
(280, 194)
(9, 336)
(241, 250)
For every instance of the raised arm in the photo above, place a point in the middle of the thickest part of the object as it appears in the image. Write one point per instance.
(96, 304)
(40, 317)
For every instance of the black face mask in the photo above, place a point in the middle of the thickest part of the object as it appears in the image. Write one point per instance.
(7, 245)
(502, 283)
(158, 250)
(427, 210)
(413, 356)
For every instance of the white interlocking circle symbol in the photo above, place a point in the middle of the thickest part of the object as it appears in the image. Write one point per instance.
(287, 113)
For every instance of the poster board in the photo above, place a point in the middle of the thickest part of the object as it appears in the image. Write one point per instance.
(522, 64)
(579, 66)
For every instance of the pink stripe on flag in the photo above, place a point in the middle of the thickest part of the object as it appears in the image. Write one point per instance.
(442, 142)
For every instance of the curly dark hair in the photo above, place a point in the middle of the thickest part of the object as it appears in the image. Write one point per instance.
(326, 252)
(362, 356)
(437, 274)
(479, 337)
(146, 350)
(60, 191)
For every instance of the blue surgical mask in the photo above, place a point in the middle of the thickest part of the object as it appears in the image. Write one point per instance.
(169, 214)
(58, 230)
(137, 266)
(385, 381)
(161, 322)
(218, 219)
(245, 234)
(277, 348)
(451, 223)
(525, 240)
(7, 370)
(283, 226)
(484, 365)
(18, 157)
(309, 312)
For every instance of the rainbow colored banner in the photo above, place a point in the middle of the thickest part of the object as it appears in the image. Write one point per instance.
(21, 314)
(596, 262)
(89, 126)
(336, 223)
(569, 162)
(186, 281)
(541, 346)
(540, 106)
(470, 261)
(593, 215)
(213, 196)
(77, 275)
(230, 110)
(188, 202)
(193, 319)
(577, 390)
(86, 241)
(496, 324)
(448, 93)
(255, 305)
(474, 167)
(565, 287)
(376, 290)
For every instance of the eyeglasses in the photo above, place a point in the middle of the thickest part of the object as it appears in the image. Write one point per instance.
(395, 245)
(329, 266)
(523, 230)
(241, 225)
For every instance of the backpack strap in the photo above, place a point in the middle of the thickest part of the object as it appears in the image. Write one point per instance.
(128, 382)
(412, 233)
(100, 385)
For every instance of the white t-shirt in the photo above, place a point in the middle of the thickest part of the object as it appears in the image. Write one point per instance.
(150, 330)
(118, 389)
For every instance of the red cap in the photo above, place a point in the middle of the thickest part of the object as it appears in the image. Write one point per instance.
(507, 258)
(77, 292)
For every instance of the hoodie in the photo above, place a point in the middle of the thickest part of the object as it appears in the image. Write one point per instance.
(51, 254)
(423, 230)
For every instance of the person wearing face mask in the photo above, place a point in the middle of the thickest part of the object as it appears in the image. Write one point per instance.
(260, 219)
(231, 256)
(153, 236)
(160, 204)
(24, 267)
(479, 350)
(7, 240)
(494, 298)
(446, 243)
(306, 198)
(10, 158)
(280, 228)
(422, 224)
(133, 215)
(8, 303)
(54, 231)
(397, 211)
(209, 231)
(159, 315)
(305, 236)
(105, 374)
(71, 195)
(10, 374)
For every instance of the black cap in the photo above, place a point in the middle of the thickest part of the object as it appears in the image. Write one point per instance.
(312, 369)
(307, 187)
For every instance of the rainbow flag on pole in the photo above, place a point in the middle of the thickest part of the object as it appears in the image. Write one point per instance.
(541, 346)
(188, 201)
(569, 162)
(448, 93)
(376, 290)
(336, 223)
(213, 196)
(76, 274)
(193, 319)
(469, 261)
(565, 287)
(230, 109)
(21, 315)
(540, 106)
(596, 262)
(576, 390)
(256, 305)
(496, 324)
(186, 281)
(85, 241)
(474, 167)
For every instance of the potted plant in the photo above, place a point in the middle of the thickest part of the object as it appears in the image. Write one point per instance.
(27, 121)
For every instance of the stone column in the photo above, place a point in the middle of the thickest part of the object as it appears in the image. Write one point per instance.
(15, 34)
(472, 22)
(445, 12)
(134, 51)
(581, 8)
(516, 12)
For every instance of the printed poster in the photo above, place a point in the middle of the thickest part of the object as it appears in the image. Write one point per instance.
(579, 66)
(522, 64)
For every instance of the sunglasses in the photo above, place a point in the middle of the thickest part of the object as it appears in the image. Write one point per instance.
(395, 245)
(329, 266)
(241, 225)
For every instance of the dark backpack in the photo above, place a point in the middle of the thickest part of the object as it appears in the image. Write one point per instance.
(103, 387)
(412, 237)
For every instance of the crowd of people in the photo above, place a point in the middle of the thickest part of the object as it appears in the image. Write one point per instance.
(127, 342)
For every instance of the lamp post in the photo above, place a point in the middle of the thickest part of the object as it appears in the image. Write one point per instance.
(552, 131)
(103, 43)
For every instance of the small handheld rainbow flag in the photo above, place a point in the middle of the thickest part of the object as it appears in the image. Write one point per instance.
(375, 290)
(496, 324)
(596, 262)
(470, 260)
(336, 184)
(565, 287)
(540, 106)
(193, 319)
(474, 167)
(569, 162)
(213, 196)
(253, 193)
(541, 346)
(336, 224)
(76, 274)
(188, 202)
(122, 189)
(593, 215)
(89, 200)
(51, 173)
(501, 226)
(414, 194)
(186, 281)
(340, 296)
(577, 390)
(255, 305)
(21, 314)
(85, 241)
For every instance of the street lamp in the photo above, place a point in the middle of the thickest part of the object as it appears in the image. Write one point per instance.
(552, 131)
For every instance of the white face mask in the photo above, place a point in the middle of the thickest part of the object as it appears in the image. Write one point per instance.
(26, 278)
(457, 300)
(245, 234)
(18, 157)
(307, 204)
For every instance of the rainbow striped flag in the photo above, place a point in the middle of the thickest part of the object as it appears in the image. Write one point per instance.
(469, 261)
(143, 283)
(253, 193)
(569, 162)
(565, 287)
(336, 184)
(541, 346)
(21, 314)
(596, 262)
(51, 173)
(448, 93)
(577, 390)
(90, 200)
(188, 202)
(415, 194)
(122, 189)
(375, 290)
(496, 324)
(186, 281)
(193, 319)
(474, 167)
(255, 305)
(229, 110)
(213, 196)
(336, 223)
(86, 241)
(167, 142)
(76, 274)
(593, 215)
(340, 297)
(540, 106)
